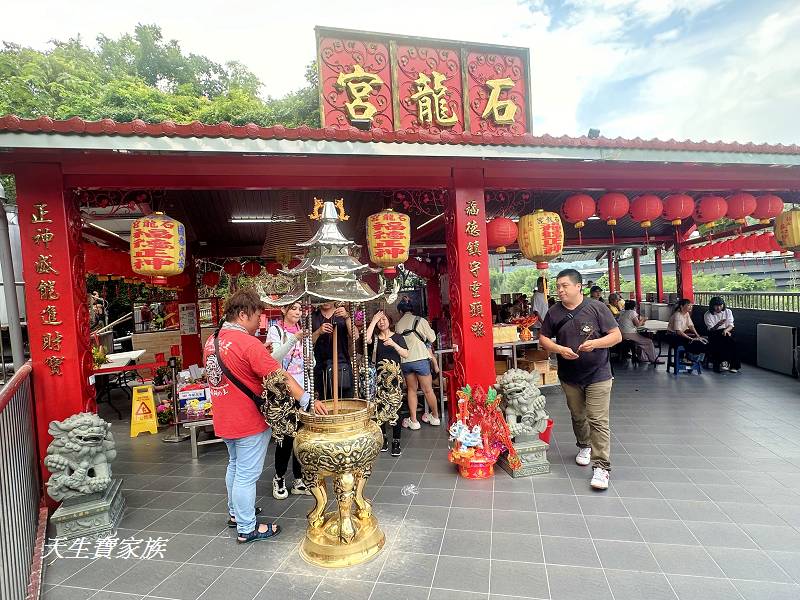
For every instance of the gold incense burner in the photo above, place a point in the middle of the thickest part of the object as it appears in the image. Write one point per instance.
(341, 447)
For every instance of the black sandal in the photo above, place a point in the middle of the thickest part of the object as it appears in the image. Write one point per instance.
(256, 535)
(232, 519)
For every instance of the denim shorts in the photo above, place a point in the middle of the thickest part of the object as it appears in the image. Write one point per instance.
(419, 367)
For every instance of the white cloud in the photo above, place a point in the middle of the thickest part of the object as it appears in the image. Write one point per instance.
(750, 93)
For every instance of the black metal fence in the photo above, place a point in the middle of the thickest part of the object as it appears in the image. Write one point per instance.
(775, 301)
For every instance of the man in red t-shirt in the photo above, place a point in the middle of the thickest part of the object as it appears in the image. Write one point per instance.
(237, 419)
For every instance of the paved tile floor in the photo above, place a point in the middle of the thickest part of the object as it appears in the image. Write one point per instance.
(704, 504)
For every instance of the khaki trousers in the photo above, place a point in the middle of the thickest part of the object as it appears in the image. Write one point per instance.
(590, 414)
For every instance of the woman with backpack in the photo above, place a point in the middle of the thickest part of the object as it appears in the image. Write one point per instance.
(386, 345)
(417, 366)
(286, 338)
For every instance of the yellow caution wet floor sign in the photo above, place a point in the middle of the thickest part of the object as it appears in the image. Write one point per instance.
(143, 411)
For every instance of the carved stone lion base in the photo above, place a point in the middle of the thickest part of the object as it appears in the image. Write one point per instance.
(91, 517)
(532, 453)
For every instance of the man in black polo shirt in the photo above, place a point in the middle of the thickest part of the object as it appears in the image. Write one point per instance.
(584, 330)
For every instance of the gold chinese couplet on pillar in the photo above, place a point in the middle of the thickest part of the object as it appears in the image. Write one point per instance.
(431, 102)
(51, 341)
(359, 85)
(473, 249)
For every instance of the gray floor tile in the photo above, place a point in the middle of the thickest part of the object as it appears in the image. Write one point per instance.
(439, 594)
(629, 556)
(728, 535)
(759, 590)
(211, 524)
(433, 497)
(557, 503)
(173, 522)
(59, 592)
(104, 595)
(690, 510)
(657, 475)
(408, 568)
(519, 501)
(789, 513)
(708, 476)
(188, 582)
(439, 481)
(100, 573)
(569, 583)
(390, 494)
(470, 519)
(702, 588)
(425, 540)
(552, 486)
(627, 585)
(785, 539)
(143, 577)
(467, 574)
(789, 562)
(752, 514)
(514, 521)
(650, 508)
(517, 547)
(472, 544)
(680, 491)
(519, 579)
(614, 528)
(659, 531)
(574, 552)
(390, 591)
(220, 552)
(140, 518)
(368, 571)
(266, 556)
(289, 587)
(685, 560)
(473, 499)
(237, 583)
(636, 489)
(602, 506)
(62, 568)
(563, 525)
(747, 564)
(341, 589)
(426, 516)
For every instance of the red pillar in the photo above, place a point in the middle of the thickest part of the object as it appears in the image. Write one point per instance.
(683, 270)
(468, 268)
(637, 274)
(612, 281)
(659, 277)
(55, 297)
(617, 280)
(434, 293)
(191, 345)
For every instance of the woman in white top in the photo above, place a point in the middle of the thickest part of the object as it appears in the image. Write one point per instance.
(721, 343)
(629, 320)
(285, 338)
(682, 329)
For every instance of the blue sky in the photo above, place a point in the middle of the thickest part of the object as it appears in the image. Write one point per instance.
(697, 69)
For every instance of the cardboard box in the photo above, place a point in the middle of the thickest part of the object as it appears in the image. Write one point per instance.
(500, 367)
(550, 378)
(542, 366)
(525, 365)
(504, 334)
(536, 355)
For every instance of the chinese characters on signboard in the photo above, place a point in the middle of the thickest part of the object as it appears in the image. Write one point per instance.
(388, 238)
(373, 81)
(43, 267)
(473, 249)
(158, 246)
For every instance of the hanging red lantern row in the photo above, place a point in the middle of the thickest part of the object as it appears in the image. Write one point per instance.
(577, 209)
(740, 206)
(768, 206)
(500, 232)
(232, 268)
(645, 209)
(273, 267)
(211, 279)
(677, 207)
(611, 207)
(709, 209)
(252, 268)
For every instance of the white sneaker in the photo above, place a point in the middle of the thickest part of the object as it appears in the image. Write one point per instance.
(600, 479)
(584, 456)
(299, 488)
(409, 424)
(279, 491)
(431, 420)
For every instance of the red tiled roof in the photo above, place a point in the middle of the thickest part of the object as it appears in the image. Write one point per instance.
(137, 127)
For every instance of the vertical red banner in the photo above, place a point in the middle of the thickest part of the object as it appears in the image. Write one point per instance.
(468, 268)
(55, 296)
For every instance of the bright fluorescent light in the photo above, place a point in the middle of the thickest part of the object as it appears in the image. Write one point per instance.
(429, 221)
(593, 218)
(250, 220)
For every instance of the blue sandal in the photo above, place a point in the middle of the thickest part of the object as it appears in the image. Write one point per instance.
(271, 532)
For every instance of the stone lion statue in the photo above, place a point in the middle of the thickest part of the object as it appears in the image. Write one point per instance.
(79, 457)
(523, 404)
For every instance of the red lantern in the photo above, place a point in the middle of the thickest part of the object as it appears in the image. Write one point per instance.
(677, 207)
(762, 242)
(578, 208)
(768, 207)
(273, 267)
(294, 263)
(772, 243)
(501, 232)
(646, 208)
(740, 206)
(612, 206)
(252, 268)
(709, 209)
(232, 268)
(211, 279)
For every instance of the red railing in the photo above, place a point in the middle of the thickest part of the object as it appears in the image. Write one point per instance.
(20, 489)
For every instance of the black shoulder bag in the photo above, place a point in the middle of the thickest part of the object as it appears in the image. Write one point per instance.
(568, 317)
(256, 398)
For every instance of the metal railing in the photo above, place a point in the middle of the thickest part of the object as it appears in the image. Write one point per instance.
(777, 301)
(19, 485)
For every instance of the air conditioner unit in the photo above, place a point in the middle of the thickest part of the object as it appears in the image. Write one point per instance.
(776, 347)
